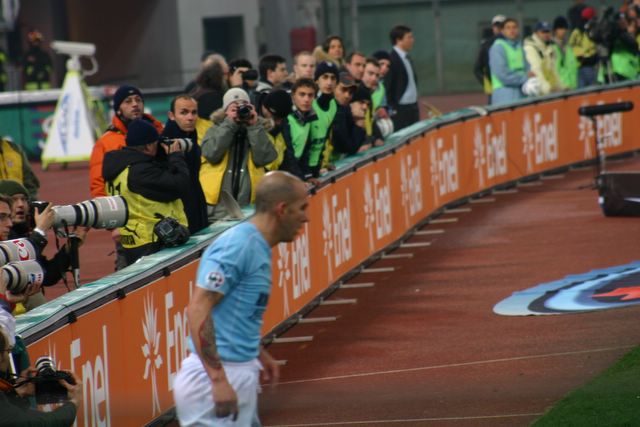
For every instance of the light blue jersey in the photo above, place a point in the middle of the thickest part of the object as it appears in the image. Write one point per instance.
(238, 265)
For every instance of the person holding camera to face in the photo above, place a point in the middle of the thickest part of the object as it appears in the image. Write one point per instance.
(16, 391)
(236, 149)
(152, 187)
(33, 223)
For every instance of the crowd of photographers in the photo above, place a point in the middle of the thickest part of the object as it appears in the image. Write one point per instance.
(586, 49)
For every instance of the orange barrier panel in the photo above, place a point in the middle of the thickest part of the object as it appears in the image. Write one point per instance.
(128, 350)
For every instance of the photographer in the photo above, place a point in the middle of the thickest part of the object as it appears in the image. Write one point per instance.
(624, 49)
(34, 225)
(236, 149)
(15, 393)
(152, 188)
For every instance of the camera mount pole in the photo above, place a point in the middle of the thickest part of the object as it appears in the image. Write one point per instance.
(74, 265)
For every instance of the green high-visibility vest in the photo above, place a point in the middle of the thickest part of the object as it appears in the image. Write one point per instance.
(299, 135)
(624, 62)
(377, 96)
(566, 66)
(320, 130)
(515, 61)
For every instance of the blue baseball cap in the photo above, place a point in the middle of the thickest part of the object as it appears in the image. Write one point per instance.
(542, 26)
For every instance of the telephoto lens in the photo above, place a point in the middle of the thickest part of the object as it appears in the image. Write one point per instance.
(102, 212)
(185, 144)
(17, 250)
(17, 275)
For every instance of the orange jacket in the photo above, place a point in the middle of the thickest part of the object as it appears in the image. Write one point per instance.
(112, 139)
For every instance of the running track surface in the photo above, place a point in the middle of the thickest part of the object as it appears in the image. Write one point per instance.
(422, 346)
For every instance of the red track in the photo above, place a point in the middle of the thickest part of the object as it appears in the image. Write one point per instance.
(423, 347)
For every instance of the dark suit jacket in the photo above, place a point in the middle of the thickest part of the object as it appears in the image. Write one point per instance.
(396, 80)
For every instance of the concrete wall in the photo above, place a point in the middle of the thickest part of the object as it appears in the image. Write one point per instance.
(190, 15)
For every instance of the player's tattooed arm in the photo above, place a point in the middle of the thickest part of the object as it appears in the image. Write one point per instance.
(203, 331)
(207, 337)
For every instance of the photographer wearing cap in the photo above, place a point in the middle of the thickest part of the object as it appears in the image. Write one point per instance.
(34, 225)
(152, 188)
(16, 391)
(236, 149)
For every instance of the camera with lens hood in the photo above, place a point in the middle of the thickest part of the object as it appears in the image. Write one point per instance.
(47, 382)
(185, 144)
(102, 212)
(18, 275)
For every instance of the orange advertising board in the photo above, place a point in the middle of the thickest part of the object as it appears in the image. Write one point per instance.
(128, 350)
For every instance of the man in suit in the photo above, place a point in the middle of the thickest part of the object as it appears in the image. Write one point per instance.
(400, 82)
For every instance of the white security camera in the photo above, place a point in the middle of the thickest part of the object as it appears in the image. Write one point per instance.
(73, 48)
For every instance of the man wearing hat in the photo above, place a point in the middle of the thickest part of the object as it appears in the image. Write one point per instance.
(584, 48)
(236, 149)
(346, 136)
(128, 105)
(276, 106)
(325, 107)
(481, 68)
(540, 53)
(566, 64)
(152, 188)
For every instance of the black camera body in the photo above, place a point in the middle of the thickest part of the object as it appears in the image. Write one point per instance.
(244, 112)
(47, 382)
(250, 75)
(170, 232)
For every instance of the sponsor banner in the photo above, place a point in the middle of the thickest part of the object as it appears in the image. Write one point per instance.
(127, 351)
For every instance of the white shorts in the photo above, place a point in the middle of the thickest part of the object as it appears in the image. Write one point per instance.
(194, 399)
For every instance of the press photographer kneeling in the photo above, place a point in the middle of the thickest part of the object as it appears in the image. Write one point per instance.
(152, 189)
(45, 383)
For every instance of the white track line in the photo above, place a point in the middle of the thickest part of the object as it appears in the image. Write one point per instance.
(415, 244)
(411, 420)
(357, 285)
(429, 232)
(396, 256)
(339, 301)
(317, 319)
(455, 365)
(443, 220)
(483, 200)
(457, 210)
(378, 270)
(286, 340)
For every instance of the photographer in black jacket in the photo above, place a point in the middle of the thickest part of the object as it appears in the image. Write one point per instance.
(15, 407)
(35, 228)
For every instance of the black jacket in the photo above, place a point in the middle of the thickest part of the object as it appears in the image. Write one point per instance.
(195, 205)
(481, 67)
(15, 412)
(347, 137)
(396, 80)
(55, 267)
(161, 181)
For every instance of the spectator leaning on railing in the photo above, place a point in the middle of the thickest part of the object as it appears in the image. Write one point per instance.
(151, 187)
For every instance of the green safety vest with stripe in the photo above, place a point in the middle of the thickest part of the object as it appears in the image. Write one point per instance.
(515, 61)
(320, 130)
(377, 96)
(138, 230)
